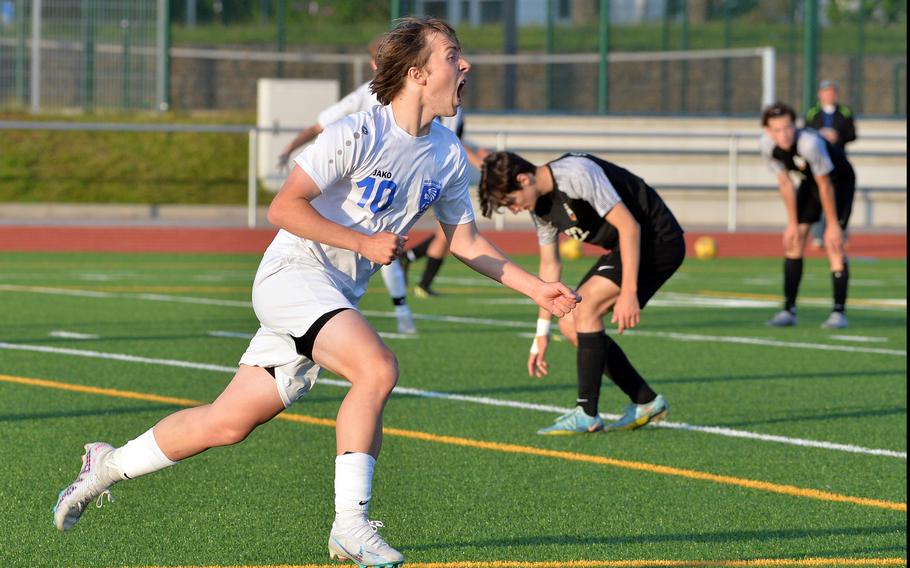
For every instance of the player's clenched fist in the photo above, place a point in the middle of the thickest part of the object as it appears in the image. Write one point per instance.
(382, 248)
(556, 298)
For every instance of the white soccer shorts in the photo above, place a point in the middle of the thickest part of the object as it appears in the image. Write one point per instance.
(288, 297)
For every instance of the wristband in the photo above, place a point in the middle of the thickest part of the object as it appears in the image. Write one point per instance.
(543, 327)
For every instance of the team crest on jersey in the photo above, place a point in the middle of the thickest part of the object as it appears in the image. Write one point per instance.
(364, 130)
(429, 192)
(569, 212)
(800, 162)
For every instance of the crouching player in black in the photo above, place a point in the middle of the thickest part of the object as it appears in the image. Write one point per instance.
(597, 202)
(827, 185)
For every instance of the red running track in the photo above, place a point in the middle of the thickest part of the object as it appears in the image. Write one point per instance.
(209, 240)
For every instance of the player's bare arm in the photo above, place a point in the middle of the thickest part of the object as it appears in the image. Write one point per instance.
(469, 246)
(550, 271)
(291, 210)
(834, 237)
(305, 136)
(626, 310)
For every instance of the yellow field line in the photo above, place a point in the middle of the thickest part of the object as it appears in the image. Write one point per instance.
(758, 562)
(503, 447)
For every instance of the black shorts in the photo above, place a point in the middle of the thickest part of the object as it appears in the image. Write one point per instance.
(658, 261)
(809, 205)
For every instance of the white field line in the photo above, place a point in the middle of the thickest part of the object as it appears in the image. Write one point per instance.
(860, 338)
(678, 300)
(686, 337)
(716, 430)
(72, 335)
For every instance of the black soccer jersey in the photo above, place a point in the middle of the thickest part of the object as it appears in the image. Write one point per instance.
(810, 155)
(585, 189)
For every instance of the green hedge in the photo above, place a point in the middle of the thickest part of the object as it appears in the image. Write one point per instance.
(124, 167)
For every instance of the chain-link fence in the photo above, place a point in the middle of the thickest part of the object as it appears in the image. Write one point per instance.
(528, 55)
(87, 54)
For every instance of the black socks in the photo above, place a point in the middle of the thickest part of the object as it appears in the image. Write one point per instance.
(429, 272)
(598, 354)
(592, 360)
(420, 250)
(840, 279)
(793, 273)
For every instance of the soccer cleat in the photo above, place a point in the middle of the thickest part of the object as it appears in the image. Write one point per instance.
(424, 293)
(405, 321)
(362, 545)
(638, 415)
(575, 422)
(837, 320)
(783, 318)
(93, 482)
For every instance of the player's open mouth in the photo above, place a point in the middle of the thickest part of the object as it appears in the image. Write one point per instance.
(459, 90)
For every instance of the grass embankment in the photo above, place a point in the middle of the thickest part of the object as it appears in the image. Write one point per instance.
(125, 167)
(838, 39)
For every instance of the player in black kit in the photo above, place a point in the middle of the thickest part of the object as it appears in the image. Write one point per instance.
(827, 184)
(595, 201)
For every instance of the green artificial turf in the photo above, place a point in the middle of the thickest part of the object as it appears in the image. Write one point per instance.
(268, 501)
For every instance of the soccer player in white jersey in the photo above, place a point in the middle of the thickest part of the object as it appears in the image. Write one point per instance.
(361, 99)
(344, 211)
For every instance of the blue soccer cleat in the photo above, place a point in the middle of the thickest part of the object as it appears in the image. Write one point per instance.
(574, 422)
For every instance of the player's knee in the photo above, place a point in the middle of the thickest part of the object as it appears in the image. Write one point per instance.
(387, 372)
(567, 328)
(227, 430)
(380, 372)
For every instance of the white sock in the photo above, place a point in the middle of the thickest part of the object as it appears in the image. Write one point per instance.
(403, 309)
(140, 456)
(353, 486)
(393, 277)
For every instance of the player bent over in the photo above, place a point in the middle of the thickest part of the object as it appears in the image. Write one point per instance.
(827, 185)
(343, 212)
(597, 202)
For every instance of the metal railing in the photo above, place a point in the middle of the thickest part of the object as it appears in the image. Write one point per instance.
(733, 151)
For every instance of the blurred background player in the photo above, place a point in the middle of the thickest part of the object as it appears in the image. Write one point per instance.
(597, 202)
(834, 122)
(826, 188)
(314, 273)
(436, 247)
(360, 99)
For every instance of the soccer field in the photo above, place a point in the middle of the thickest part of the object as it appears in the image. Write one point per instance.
(783, 447)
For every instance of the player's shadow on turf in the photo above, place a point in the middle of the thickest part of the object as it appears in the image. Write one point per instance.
(163, 408)
(788, 376)
(802, 417)
(688, 538)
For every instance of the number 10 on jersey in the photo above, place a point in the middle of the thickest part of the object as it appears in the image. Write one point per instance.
(383, 197)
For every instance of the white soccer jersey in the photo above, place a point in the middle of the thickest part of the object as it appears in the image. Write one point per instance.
(376, 177)
(578, 178)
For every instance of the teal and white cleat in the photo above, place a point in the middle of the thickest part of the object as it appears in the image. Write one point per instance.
(837, 320)
(92, 483)
(783, 318)
(362, 545)
(575, 422)
(638, 415)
